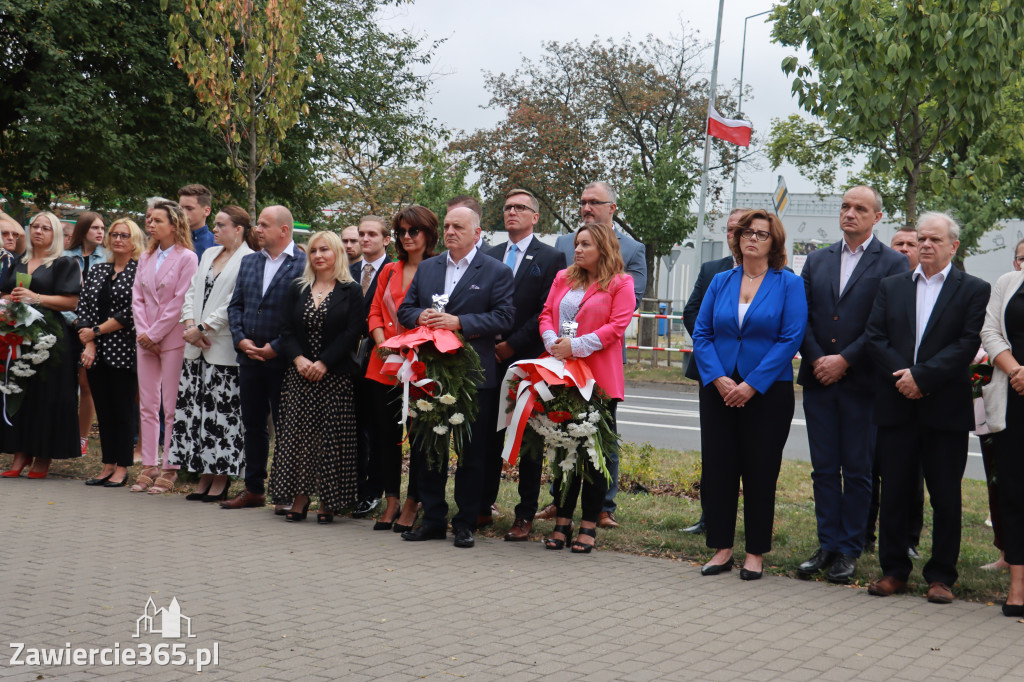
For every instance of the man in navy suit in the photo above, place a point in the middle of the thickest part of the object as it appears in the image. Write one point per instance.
(707, 273)
(480, 305)
(374, 237)
(836, 372)
(923, 333)
(254, 317)
(534, 266)
(597, 206)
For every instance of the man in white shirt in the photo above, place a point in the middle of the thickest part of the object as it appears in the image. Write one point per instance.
(923, 333)
(836, 373)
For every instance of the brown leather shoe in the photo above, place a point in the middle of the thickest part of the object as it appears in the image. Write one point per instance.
(888, 585)
(243, 500)
(547, 513)
(939, 593)
(607, 520)
(483, 521)
(520, 531)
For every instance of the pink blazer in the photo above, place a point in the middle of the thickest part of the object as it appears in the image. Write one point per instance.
(157, 297)
(606, 313)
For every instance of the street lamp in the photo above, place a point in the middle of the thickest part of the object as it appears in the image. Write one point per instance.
(739, 108)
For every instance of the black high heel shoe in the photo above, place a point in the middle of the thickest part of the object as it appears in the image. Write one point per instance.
(581, 548)
(323, 518)
(555, 543)
(383, 525)
(99, 481)
(217, 498)
(297, 516)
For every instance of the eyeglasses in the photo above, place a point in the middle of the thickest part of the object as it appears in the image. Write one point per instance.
(123, 236)
(592, 202)
(413, 232)
(759, 235)
(518, 208)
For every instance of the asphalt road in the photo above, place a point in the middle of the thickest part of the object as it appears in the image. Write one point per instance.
(670, 418)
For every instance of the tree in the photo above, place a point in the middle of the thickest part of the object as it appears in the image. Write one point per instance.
(91, 105)
(629, 113)
(241, 57)
(911, 85)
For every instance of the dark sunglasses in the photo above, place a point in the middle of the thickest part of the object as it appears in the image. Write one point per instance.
(412, 232)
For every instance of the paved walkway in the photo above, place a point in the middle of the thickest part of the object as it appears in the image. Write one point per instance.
(301, 601)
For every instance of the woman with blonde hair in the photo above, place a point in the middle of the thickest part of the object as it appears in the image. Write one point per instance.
(207, 434)
(46, 425)
(107, 333)
(321, 324)
(596, 294)
(164, 275)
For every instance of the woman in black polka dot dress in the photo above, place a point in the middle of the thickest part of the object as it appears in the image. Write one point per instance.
(315, 451)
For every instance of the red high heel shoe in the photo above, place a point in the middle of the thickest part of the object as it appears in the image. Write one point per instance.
(15, 473)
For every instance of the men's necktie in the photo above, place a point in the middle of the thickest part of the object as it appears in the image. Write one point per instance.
(510, 259)
(367, 277)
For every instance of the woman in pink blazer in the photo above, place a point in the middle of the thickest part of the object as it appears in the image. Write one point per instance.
(163, 277)
(595, 293)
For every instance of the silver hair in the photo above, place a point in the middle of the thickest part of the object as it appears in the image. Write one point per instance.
(951, 223)
(153, 201)
(613, 196)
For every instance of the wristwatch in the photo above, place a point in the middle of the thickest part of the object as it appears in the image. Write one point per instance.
(201, 328)
(96, 330)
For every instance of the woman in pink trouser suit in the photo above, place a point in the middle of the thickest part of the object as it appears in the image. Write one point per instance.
(164, 274)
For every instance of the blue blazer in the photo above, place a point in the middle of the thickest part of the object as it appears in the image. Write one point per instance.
(257, 316)
(482, 300)
(838, 324)
(762, 349)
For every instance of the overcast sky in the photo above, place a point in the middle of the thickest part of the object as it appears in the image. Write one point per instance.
(484, 35)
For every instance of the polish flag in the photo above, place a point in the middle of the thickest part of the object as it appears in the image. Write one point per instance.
(729, 129)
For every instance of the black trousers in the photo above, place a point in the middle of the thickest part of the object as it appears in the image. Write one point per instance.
(469, 476)
(383, 404)
(916, 508)
(260, 392)
(367, 468)
(942, 455)
(593, 493)
(1008, 453)
(988, 458)
(743, 444)
(113, 394)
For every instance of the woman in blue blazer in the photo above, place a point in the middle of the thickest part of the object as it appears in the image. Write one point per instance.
(750, 326)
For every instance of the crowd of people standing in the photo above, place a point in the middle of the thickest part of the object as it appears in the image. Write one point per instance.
(188, 342)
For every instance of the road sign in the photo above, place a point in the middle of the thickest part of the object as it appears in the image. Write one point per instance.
(780, 200)
(670, 258)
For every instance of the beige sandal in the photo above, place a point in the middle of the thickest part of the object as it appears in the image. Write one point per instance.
(142, 483)
(163, 484)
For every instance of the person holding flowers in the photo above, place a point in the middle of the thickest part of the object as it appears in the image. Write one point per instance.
(585, 316)
(415, 233)
(45, 427)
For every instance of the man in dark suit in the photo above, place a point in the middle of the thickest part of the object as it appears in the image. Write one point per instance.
(836, 372)
(480, 305)
(254, 317)
(923, 334)
(707, 273)
(534, 266)
(374, 237)
(597, 206)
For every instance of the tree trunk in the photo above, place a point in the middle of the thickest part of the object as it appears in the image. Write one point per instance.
(910, 196)
(647, 328)
(251, 175)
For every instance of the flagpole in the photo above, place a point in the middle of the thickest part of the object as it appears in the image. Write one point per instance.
(698, 240)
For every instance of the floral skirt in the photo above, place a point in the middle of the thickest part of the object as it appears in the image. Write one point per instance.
(207, 436)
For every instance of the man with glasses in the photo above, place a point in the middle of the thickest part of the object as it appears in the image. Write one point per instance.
(534, 266)
(837, 375)
(597, 206)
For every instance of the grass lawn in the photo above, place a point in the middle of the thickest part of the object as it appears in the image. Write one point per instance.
(651, 522)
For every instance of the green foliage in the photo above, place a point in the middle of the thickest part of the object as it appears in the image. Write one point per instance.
(638, 466)
(441, 177)
(91, 105)
(911, 85)
(241, 58)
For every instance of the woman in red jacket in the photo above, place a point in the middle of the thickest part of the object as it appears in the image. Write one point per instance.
(415, 230)
(595, 293)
